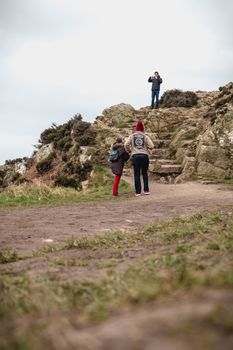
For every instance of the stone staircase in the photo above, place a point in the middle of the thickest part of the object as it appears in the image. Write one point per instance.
(162, 167)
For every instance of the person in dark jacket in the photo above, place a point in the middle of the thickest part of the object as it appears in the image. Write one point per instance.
(156, 80)
(117, 166)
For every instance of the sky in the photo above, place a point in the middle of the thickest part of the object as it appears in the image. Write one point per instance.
(63, 57)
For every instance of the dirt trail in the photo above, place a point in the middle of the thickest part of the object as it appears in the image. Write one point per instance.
(179, 321)
(25, 229)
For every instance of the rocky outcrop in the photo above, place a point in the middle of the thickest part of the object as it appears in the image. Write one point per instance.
(118, 116)
(190, 143)
(214, 146)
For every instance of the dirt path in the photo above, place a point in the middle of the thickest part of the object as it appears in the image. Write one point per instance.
(184, 320)
(25, 229)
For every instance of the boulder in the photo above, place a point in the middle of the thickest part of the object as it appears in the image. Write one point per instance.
(20, 167)
(118, 116)
(8, 175)
(85, 154)
(214, 155)
(44, 152)
(189, 170)
(208, 170)
(214, 152)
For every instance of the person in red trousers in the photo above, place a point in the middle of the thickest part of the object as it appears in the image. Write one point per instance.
(118, 165)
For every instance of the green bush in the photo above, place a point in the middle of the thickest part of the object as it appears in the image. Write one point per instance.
(67, 181)
(64, 136)
(178, 98)
(46, 164)
(83, 133)
(73, 173)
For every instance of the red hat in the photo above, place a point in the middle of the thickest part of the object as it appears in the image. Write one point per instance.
(139, 126)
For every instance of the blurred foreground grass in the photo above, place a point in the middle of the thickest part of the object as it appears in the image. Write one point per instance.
(182, 254)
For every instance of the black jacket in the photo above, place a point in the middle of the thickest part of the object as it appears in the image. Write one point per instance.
(117, 167)
(155, 82)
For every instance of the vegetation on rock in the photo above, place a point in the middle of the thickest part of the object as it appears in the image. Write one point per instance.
(178, 98)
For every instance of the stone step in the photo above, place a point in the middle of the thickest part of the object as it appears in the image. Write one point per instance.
(158, 143)
(160, 153)
(186, 143)
(165, 135)
(153, 160)
(166, 161)
(167, 169)
(151, 167)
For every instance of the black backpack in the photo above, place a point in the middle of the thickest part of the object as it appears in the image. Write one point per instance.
(113, 155)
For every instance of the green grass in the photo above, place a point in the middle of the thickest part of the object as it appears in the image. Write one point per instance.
(180, 255)
(113, 240)
(100, 189)
(8, 256)
(69, 262)
(107, 263)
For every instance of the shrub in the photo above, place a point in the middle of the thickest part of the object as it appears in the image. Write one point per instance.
(178, 98)
(67, 181)
(63, 136)
(84, 133)
(73, 173)
(8, 256)
(46, 164)
(64, 144)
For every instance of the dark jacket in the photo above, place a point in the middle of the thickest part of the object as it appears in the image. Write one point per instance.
(155, 83)
(117, 167)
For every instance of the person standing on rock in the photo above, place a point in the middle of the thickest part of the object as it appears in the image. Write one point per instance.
(139, 145)
(118, 165)
(156, 80)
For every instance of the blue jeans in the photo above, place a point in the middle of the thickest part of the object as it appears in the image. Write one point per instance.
(140, 165)
(154, 94)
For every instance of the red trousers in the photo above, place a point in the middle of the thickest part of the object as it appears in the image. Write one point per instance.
(115, 185)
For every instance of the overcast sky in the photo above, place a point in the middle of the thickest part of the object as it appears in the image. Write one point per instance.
(62, 57)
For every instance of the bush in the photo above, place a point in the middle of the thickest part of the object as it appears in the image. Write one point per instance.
(73, 173)
(67, 181)
(84, 133)
(46, 164)
(63, 136)
(178, 98)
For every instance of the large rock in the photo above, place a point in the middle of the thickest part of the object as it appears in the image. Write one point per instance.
(44, 152)
(184, 134)
(164, 119)
(8, 175)
(118, 116)
(214, 153)
(85, 154)
(207, 170)
(189, 170)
